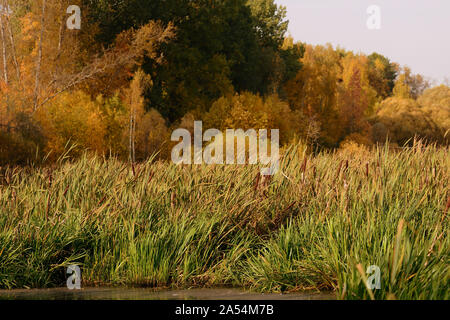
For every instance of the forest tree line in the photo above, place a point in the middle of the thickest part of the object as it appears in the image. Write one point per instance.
(138, 69)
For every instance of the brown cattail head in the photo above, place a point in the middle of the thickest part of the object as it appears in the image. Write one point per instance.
(133, 168)
(48, 206)
(448, 205)
(266, 180)
(151, 176)
(257, 179)
(65, 191)
(50, 178)
(172, 199)
(305, 162)
(101, 201)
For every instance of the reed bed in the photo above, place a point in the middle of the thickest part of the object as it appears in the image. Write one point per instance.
(316, 225)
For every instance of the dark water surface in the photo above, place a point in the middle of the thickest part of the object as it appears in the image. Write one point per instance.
(151, 294)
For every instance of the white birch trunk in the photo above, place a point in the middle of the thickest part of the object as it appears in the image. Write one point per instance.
(39, 58)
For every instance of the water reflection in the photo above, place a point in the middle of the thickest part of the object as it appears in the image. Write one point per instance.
(151, 294)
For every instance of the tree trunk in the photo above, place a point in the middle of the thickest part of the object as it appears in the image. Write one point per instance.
(4, 53)
(61, 29)
(13, 44)
(132, 134)
(14, 54)
(39, 58)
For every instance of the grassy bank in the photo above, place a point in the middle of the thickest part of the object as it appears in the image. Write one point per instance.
(318, 224)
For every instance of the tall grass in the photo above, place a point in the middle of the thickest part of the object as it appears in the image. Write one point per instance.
(316, 225)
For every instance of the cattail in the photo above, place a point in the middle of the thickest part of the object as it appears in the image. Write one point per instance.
(101, 201)
(305, 162)
(48, 206)
(123, 169)
(150, 177)
(172, 199)
(303, 168)
(50, 178)
(65, 191)
(266, 181)
(133, 169)
(339, 170)
(367, 170)
(281, 216)
(448, 205)
(257, 180)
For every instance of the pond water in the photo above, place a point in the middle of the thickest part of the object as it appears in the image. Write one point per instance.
(151, 294)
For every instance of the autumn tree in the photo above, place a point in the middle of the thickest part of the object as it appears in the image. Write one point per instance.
(356, 97)
(134, 100)
(402, 119)
(382, 74)
(409, 85)
(218, 49)
(435, 102)
(46, 63)
(63, 59)
(72, 121)
(249, 111)
(313, 91)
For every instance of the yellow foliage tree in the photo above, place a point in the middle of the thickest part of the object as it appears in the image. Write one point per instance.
(355, 71)
(147, 131)
(313, 92)
(151, 136)
(73, 119)
(435, 102)
(249, 111)
(401, 120)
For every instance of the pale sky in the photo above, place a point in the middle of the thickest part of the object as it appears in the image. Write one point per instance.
(415, 33)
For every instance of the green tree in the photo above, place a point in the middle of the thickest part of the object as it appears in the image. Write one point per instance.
(382, 74)
(270, 22)
(218, 49)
